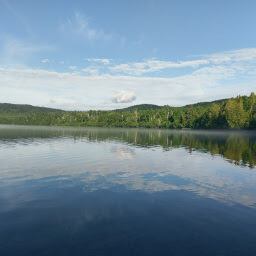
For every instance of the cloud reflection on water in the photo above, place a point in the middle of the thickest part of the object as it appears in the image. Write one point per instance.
(137, 159)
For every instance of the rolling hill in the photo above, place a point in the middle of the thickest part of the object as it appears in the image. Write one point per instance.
(138, 107)
(20, 109)
(25, 109)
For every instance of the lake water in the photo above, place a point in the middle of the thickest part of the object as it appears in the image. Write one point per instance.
(102, 191)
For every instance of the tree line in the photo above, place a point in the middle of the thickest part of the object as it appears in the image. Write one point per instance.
(239, 112)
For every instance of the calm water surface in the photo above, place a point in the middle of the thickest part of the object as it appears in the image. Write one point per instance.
(100, 191)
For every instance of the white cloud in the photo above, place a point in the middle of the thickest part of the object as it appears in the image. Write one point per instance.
(72, 67)
(45, 60)
(124, 97)
(103, 61)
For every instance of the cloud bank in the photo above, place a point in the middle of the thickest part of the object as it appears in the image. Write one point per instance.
(210, 77)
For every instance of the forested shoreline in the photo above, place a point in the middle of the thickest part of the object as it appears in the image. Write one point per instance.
(234, 113)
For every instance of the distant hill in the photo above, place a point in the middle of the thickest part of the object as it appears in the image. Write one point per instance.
(20, 109)
(24, 109)
(207, 103)
(138, 107)
(154, 107)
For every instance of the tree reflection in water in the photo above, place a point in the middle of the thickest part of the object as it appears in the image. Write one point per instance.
(238, 147)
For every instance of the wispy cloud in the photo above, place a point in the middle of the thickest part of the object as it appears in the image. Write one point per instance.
(14, 51)
(247, 54)
(138, 42)
(150, 66)
(17, 16)
(72, 67)
(45, 61)
(103, 61)
(79, 25)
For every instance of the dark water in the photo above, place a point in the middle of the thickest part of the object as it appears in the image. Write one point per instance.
(78, 191)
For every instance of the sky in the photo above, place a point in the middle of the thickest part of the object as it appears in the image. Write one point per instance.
(81, 54)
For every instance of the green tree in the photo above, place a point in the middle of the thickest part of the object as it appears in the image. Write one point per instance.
(235, 113)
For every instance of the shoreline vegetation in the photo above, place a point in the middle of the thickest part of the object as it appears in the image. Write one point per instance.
(234, 113)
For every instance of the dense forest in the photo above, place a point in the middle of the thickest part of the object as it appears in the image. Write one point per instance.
(239, 112)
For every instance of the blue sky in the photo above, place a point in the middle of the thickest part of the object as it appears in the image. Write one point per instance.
(112, 54)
